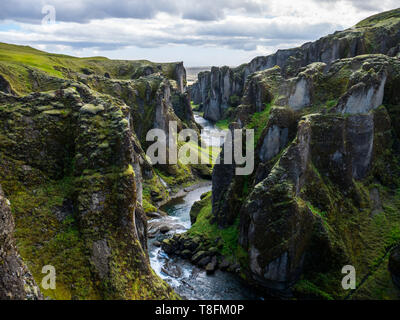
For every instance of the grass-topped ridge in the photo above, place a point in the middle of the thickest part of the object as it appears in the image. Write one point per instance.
(18, 63)
(383, 18)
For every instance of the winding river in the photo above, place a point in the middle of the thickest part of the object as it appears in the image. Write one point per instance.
(187, 280)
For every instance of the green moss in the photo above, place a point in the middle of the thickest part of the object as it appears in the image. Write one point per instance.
(259, 121)
(206, 228)
(43, 239)
(317, 212)
(382, 19)
(90, 108)
(148, 207)
(223, 124)
(194, 106)
(23, 66)
(308, 290)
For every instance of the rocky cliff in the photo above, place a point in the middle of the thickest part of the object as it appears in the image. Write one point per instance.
(219, 90)
(325, 190)
(78, 182)
(326, 179)
(16, 282)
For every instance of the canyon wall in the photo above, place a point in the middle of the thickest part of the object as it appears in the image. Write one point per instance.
(220, 88)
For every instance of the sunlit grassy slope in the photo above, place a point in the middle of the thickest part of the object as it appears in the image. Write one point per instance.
(17, 63)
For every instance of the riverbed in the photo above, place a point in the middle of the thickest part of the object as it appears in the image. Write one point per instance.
(186, 279)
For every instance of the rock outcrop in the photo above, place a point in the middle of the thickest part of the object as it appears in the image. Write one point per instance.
(71, 160)
(215, 89)
(16, 282)
(394, 266)
(316, 159)
(377, 34)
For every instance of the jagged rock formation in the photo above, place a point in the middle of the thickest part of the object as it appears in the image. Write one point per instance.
(327, 151)
(214, 90)
(73, 166)
(217, 90)
(5, 85)
(394, 266)
(16, 282)
(84, 139)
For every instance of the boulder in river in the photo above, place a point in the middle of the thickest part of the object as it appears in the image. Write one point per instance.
(204, 261)
(224, 264)
(172, 269)
(198, 256)
(153, 215)
(212, 266)
(165, 229)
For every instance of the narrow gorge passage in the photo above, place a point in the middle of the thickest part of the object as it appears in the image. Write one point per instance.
(187, 280)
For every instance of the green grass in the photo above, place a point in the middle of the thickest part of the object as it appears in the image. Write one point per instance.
(381, 19)
(17, 63)
(194, 106)
(204, 227)
(44, 240)
(317, 212)
(148, 207)
(259, 121)
(307, 289)
(204, 155)
(223, 124)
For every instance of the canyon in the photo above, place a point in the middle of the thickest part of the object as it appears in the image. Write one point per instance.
(79, 193)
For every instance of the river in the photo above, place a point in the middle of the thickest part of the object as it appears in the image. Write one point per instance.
(186, 279)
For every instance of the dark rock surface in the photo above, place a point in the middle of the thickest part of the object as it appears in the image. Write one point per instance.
(16, 282)
(215, 88)
(394, 266)
(312, 159)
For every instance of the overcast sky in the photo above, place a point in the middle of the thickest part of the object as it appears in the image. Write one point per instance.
(198, 32)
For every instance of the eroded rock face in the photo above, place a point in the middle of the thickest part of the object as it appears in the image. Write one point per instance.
(277, 247)
(300, 98)
(281, 127)
(96, 134)
(364, 38)
(183, 109)
(360, 137)
(278, 227)
(259, 91)
(343, 148)
(180, 77)
(215, 89)
(310, 165)
(363, 97)
(394, 266)
(224, 201)
(16, 282)
(5, 85)
(154, 101)
(274, 141)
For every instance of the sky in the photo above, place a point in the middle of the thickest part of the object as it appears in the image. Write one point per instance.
(198, 32)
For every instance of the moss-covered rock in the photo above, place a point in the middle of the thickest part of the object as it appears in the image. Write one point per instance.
(326, 180)
(375, 35)
(394, 266)
(16, 281)
(71, 181)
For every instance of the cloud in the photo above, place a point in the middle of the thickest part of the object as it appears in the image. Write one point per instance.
(249, 26)
(366, 5)
(83, 11)
(246, 33)
(267, 29)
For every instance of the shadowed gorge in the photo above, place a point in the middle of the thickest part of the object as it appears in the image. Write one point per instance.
(79, 192)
